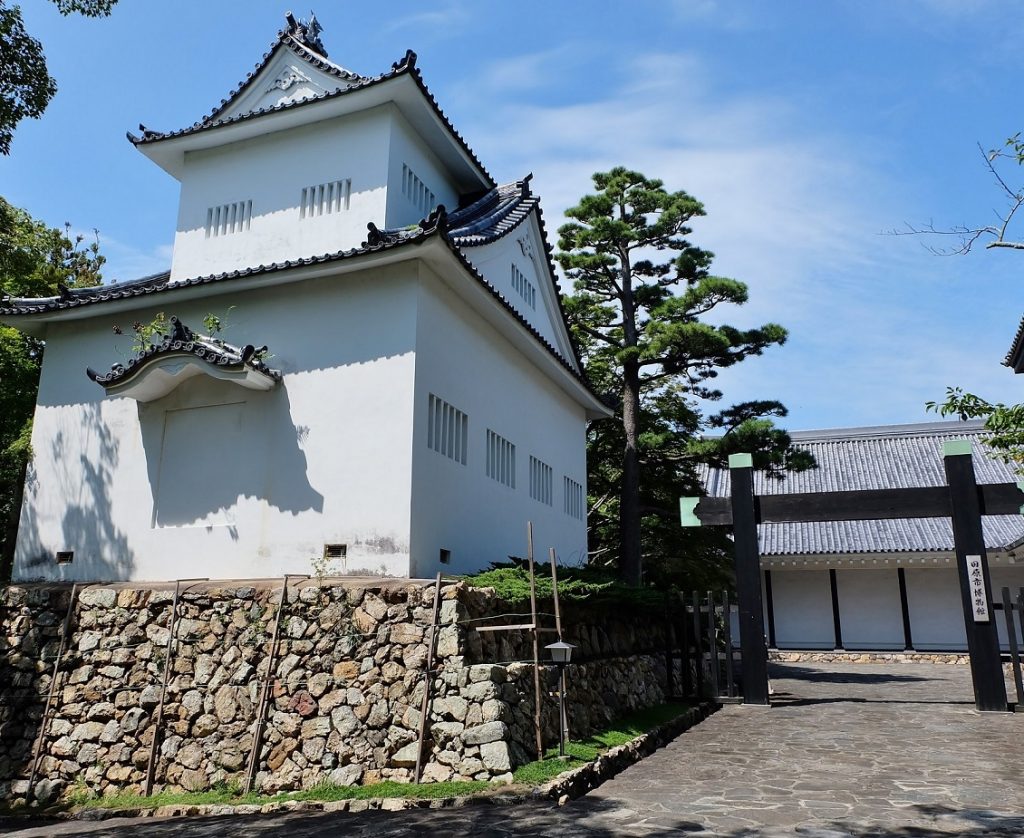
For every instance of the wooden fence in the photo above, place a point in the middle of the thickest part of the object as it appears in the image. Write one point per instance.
(701, 660)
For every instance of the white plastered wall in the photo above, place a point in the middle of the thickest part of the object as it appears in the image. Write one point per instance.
(458, 507)
(802, 605)
(271, 171)
(323, 458)
(494, 261)
(407, 149)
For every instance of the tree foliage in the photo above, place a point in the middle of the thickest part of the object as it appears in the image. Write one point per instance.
(639, 314)
(1005, 423)
(26, 86)
(35, 261)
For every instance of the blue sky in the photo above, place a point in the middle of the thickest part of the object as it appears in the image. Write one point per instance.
(806, 128)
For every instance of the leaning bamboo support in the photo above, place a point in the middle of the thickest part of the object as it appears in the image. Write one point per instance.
(64, 633)
(428, 681)
(261, 710)
(558, 628)
(168, 655)
(537, 729)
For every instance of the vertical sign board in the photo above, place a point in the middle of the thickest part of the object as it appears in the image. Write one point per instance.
(972, 567)
(976, 581)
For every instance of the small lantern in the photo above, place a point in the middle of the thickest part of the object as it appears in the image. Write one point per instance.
(561, 652)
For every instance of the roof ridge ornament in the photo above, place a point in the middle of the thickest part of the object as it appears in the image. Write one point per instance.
(407, 62)
(306, 32)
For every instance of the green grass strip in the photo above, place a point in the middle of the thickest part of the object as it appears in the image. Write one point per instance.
(532, 774)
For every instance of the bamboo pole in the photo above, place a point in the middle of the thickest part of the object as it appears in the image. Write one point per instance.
(65, 629)
(159, 717)
(538, 732)
(261, 711)
(558, 628)
(428, 680)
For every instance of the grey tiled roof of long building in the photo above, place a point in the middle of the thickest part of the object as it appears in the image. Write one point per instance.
(883, 457)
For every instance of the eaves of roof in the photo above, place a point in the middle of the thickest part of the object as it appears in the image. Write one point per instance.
(1015, 357)
(159, 284)
(406, 66)
(498, 214)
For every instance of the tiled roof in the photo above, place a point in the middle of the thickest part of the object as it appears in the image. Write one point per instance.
(182, 339)
(503, 208)
(406, 66)
(1015, 357)
(883, 457)
(900, 535)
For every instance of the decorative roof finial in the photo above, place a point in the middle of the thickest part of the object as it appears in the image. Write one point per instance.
(306, 33)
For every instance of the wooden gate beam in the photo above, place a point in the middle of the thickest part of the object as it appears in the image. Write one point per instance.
(861, 505)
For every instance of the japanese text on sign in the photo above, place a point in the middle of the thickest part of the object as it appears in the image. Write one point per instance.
(979, 602)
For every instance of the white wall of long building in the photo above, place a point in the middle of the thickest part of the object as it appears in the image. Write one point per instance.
(870, 611)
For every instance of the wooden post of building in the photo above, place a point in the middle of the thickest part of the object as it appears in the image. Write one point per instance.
(537, 727)
(748, 581)
(975, 584)
(564, 682)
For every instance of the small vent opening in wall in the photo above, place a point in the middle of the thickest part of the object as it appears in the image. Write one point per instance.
(65, 556)
(335, 551)
(446, 556)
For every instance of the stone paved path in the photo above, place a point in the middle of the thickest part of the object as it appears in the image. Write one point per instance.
(847, 750)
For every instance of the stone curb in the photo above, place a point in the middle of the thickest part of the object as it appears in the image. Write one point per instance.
(387, 804)
(577, 782)
(567, 786)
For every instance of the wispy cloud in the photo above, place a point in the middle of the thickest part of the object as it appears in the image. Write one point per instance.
(794, 212)
(125, 262)
(445, 19)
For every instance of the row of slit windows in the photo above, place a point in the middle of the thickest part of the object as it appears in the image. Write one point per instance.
(314, 201)
(228, 218)
(416, 191)
(325, 198)
(448, 434)
(523, 287)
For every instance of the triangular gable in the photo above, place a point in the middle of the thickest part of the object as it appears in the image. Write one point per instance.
(295, 67)
(517, 266)
(289, 73)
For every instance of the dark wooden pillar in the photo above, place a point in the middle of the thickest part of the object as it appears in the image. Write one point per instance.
(769, 599)
(908, 638)
(748, 581)
(837, 623)
(982, 637)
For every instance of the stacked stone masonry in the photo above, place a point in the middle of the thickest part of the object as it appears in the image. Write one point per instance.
(345, 693)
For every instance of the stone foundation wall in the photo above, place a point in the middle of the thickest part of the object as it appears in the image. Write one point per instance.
(344, 694)
(788, 656)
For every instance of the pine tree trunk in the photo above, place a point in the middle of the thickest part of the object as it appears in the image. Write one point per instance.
(629, 508)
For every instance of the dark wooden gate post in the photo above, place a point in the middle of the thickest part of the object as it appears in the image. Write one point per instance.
(748, 581)
(982, 636)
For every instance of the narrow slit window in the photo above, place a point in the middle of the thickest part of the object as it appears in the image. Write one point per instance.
(524, 287)
(227, 219)
(573, 498)
(541, 480)
(447, 429)
(416, 191)
(501, 459)
(325, 198)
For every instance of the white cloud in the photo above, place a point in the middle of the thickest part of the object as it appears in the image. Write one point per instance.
(126, 262)
(795, 214)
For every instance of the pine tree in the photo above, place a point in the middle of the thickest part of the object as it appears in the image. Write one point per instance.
(641, 291)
